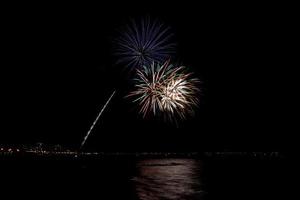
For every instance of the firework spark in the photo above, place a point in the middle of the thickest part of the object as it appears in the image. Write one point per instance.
(94, 123)
(166, 89)
(143, 42)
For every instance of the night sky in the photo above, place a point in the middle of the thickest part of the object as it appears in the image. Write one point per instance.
(59, 71)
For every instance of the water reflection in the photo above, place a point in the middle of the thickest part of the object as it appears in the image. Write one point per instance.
(169, 179)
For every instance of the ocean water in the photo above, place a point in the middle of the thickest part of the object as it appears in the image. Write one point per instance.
(168, 179)
(144, 178)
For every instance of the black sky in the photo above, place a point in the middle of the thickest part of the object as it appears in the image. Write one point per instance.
(59, 71)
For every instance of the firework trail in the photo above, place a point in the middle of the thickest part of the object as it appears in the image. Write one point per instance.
(166, 89)
(88, 133)
(143, 42)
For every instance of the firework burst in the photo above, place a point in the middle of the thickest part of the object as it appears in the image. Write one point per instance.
(143, 42)
(165, 89)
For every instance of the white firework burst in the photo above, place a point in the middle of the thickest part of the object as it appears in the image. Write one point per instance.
(165, 89)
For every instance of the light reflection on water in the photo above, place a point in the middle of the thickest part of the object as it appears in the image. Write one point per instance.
(169, 179)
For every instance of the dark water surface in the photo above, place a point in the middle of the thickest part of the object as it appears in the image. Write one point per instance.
(144, 179)
(169, 179)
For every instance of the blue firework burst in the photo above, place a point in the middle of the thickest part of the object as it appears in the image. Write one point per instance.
(144, 41)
